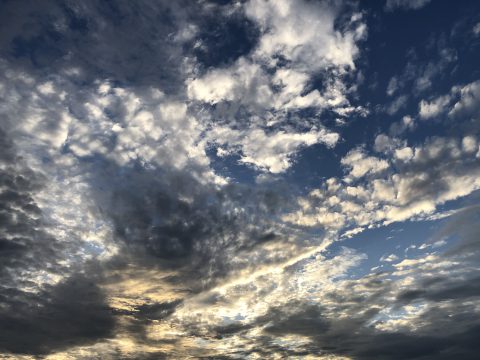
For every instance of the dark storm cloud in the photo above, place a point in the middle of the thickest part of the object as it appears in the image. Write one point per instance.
(127, 41)
(53, 317)
(70, 313)
(168, 219)
(139, 43)
(444, 289)
(353, 337)
(446, 329)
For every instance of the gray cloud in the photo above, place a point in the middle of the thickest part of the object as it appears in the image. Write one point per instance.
(169, 219)
(96, 39)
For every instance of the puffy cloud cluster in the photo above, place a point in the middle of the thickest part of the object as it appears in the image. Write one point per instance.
(270, 152)
(462, 101)
(411, 182)
(299, 45)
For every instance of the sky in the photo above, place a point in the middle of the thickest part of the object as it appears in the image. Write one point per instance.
(250, 179)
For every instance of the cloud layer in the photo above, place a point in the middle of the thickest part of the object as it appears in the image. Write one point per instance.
(238, 180)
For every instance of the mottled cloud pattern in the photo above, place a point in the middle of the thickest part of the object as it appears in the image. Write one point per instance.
(250, 179)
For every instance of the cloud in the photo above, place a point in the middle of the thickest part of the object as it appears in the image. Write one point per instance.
(476, 29)
(431, 109)
(121, 239)
(425, 176)
(95, 40)
(389, 258)
(469, 102)
(392, 86)
(462, 101)
(396, 105)
(270, 152)
(71, 312)
(303, 33)
(298, 46)
(39, 295)
(422, 72)
(391, 5)
(399, 127)
(360, 164)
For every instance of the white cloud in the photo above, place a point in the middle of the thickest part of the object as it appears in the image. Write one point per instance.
(469, 144)
(303, 32)
(431, 109)
(214, 87)
(389, 258)
(476, 29)
(404, 154)
(386, 144)
(360, 164)
(269, 151)
(258, 91)
(462, 101)
(392, 86)
(424, 177)
(469, 103)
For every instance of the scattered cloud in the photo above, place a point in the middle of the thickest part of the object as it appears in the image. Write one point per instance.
(214, 180)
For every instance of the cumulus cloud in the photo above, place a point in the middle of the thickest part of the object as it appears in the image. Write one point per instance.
(260, 91)
(434, 108)
(270, 152)
(362, 164)
(462, 101)
(422, 178)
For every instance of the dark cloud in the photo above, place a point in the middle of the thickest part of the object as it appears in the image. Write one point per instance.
(70, 313)
(50, 317)
(170, 220)
(451, 289)
(157, 311)
(353, 338)
(306, 320)
(97, 38)
(446, 328)
(24, 242)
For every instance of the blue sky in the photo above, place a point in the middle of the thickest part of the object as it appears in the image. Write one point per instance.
(251, 179)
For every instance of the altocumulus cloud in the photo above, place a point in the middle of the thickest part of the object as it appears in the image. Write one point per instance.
(239, 180)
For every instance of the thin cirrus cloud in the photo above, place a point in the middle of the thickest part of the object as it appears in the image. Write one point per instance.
(239, 180)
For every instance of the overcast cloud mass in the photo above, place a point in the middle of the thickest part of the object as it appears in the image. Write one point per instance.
(250, 179)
